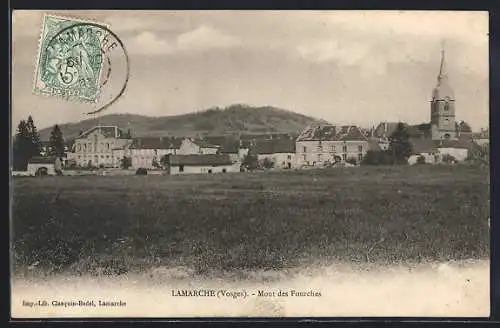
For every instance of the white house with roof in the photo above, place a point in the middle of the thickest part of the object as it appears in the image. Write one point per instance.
(323, 144)
(279, 151)
(44, 165)
(200, 164)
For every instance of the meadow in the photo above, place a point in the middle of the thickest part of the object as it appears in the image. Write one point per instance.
(217, 223)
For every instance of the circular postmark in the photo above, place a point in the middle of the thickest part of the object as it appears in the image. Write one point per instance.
(87, 62)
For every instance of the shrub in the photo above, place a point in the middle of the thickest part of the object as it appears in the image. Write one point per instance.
(126, 162)
(420, 159)
(141, 171)
(448, 159)
(267, 163)
(374, 157)
(352, 160)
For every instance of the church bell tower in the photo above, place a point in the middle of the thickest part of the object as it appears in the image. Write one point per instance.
(443, 106)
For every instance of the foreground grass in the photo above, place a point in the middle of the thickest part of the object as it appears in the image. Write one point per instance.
(113, 225)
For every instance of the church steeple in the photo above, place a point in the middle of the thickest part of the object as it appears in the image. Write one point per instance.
(443, 72)
(443, 105)
(443, 90)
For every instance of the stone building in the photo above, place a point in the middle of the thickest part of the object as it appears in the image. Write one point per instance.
(443, 124)
(96, 147)
(324, 144)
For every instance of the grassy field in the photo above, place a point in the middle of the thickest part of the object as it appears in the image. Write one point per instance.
(250, 221)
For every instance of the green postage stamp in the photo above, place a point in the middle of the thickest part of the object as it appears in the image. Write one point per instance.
(70, 60)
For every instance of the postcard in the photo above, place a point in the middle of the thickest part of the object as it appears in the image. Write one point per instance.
(188, 164)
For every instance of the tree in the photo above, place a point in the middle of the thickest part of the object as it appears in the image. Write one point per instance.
(399, 145)
(35, 138)
(250, 161)
(56, 142)
(155, 163)
(26, 144)
(126, 162)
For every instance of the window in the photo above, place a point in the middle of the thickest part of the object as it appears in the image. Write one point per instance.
(79, 157)
(344, 157)
(289, 157)
(107, 156)
(78, 147)
(360, 148)
(320, 146)
(181, 168)
(102, 156)
(360, 157)
(304, 157)
(304, 149)
(344, 148)
(85, 147)
(332, 148)
(320, 157)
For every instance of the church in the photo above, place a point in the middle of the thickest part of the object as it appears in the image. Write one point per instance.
(446, 135)
(443, 124)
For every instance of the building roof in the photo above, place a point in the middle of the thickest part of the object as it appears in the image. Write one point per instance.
(156, 143)
(108, 131)
(230, 147)
(199, 160)
(328, 132)
(373, 145)
(443, 89)
(420, 145)
(461, 143)
(463, 127)
(203, 143)
(386, 129)
(42, 160)
(274, 146)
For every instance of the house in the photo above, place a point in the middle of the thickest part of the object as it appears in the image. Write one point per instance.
(200, 163)
(96, 147)
(434, 150)
(321, 144)
(231, 148)
(147, 152)
(458, 148)
(425, 148)
(41, 165)
(281, 152)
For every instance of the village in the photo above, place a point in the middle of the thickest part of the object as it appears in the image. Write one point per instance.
(107, 149)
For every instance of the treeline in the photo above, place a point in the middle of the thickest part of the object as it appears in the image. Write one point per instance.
(27, 144)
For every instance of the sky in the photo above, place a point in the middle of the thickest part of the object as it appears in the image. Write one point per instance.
(346, 67)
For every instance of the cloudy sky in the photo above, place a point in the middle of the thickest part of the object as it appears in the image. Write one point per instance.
(343, 66)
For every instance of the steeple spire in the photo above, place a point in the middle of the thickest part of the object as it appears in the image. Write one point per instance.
(443, 72)
(443, 89)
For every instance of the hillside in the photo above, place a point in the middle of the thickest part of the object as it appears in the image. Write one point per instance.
(214, 121)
